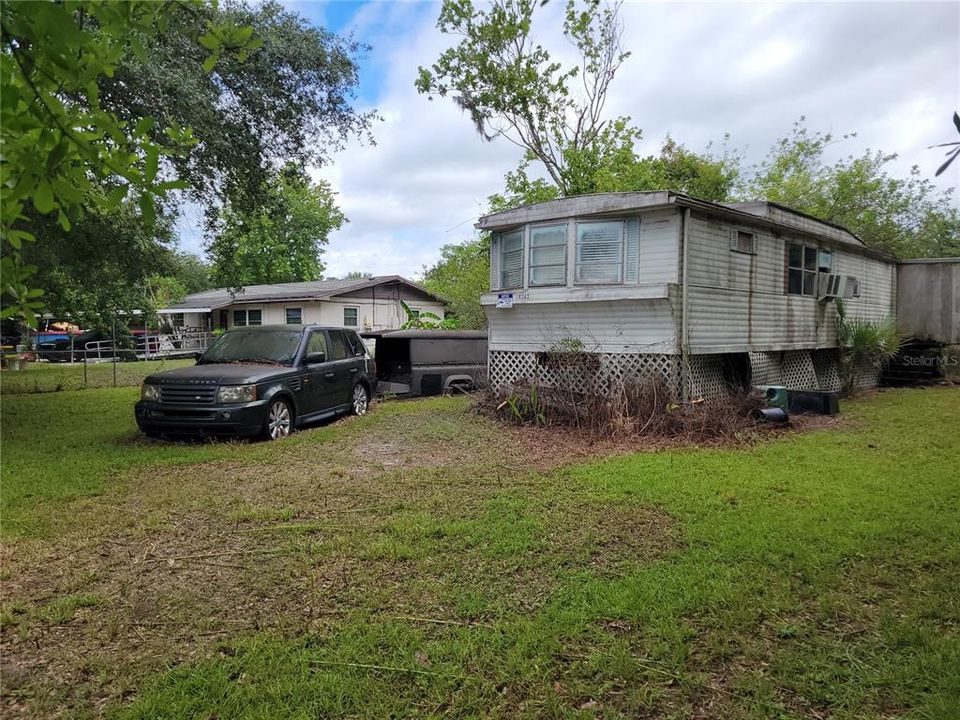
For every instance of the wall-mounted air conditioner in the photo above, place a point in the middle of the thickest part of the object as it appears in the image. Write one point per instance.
(851, 287)
(830, 287)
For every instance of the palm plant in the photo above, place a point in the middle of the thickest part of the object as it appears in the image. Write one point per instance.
(425, 320)
(954, 150)
(865, 345)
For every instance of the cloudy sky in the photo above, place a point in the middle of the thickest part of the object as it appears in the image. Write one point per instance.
(889, 71)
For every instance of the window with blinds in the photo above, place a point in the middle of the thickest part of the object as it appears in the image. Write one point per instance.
(548, 255)
(511, 260)
(599, 252)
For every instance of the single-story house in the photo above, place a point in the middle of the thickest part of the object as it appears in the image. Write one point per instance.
(703, 293)
(368, 304)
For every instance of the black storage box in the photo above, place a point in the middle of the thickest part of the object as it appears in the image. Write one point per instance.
(813, 401)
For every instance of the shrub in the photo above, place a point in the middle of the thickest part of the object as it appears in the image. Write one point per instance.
(865, 345)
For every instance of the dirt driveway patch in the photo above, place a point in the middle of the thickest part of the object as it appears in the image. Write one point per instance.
(428, 511)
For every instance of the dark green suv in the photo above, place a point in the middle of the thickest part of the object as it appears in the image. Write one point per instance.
(263, 380)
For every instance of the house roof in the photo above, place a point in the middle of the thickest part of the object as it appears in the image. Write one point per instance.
(286, 292)
(608, 204)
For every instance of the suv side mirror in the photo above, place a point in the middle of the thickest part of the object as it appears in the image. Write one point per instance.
(314, 358)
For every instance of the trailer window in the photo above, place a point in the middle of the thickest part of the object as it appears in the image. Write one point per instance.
(802, 267)
(599, 252)
(548, 255)
(511, 260)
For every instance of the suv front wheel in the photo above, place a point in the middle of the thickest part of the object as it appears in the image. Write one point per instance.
(279, 420)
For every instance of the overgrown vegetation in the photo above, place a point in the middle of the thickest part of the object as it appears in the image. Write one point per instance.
(423, 560)
(641, 408)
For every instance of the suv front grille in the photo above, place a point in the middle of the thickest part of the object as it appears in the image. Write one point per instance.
(188, 394)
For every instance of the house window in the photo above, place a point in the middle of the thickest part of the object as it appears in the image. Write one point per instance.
(802, 267)
(511, 260)
(548, 255)
(247, 317)
(826, 262)
(351, 316)
(415, 313)
(294, 316)
(599, 252)
(742, 241)
(176, 320)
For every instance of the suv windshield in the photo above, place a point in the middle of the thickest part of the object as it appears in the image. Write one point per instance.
(270, 346)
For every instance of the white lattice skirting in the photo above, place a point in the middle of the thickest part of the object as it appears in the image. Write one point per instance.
(598, 371)
(795, 369)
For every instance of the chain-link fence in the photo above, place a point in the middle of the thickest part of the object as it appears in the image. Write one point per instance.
(94, 360)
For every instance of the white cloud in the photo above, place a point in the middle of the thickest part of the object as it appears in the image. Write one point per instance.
(888, 71)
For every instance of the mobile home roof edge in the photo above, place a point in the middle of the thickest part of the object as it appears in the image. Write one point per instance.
(601, 204)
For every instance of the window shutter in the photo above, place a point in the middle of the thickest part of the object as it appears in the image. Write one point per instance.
(495, 262)
(733, 238)
(631, 272)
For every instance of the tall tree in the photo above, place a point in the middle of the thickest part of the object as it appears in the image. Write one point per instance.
(460, 276)
(904, 216)
(101, 267)
(288, 101)
(62, 151)
(282, 240)
(98, 99)
(702, 175)
(190, 270)
(513, 89)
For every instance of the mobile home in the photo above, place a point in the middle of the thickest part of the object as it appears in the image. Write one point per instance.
(704, 294)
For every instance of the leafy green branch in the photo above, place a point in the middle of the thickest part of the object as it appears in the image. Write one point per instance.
(61, 150)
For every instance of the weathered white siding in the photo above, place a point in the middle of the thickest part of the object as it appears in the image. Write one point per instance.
(737, 301)
(385, 314)
(616, 326)
(659, 246)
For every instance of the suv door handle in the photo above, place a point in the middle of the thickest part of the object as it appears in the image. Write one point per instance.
(352, 370)
(330, 376)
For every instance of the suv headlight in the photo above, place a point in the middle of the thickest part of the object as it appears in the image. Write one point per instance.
(237, 393)
(149, 392)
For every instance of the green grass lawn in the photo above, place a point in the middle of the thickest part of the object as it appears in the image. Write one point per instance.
(39, 377)
(423, 562)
